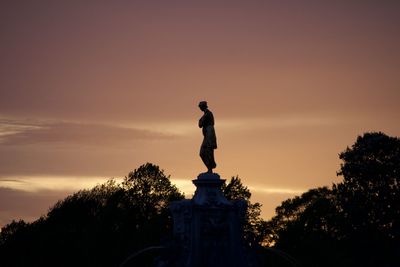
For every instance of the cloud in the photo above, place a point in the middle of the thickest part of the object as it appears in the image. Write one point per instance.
(283, 121)
(25, 205)
(16, 133)
(29, 197)
(51, 183)
(19, 132)
(276, 190)
(9, 128)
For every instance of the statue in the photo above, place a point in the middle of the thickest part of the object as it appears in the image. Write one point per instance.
(206, 122)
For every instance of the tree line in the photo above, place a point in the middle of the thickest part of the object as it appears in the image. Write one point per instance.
(352, 223)
(355, 222)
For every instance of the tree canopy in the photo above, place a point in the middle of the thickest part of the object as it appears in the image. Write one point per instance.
(356, 222)
(104, 225)
(254, 227)
(96, 227)
(370, 191)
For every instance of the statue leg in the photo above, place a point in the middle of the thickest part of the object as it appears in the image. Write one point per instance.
(207, 155)
(203, 155)
(212, 160)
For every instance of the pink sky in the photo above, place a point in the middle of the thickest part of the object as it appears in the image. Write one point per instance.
(91, 90)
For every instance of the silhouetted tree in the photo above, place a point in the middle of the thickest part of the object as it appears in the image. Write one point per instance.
(97, 227)
(104, 225)
(151, 187)
(370, 191)
(356, 223)
(254, 226)
(11, 230)
(369, 197)
(305, 227)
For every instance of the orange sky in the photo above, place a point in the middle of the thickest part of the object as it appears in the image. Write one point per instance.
(92, 90)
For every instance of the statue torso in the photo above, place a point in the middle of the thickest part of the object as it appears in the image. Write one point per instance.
(206, 120)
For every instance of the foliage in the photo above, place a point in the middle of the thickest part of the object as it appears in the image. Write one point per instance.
(370, 192)
(11, 230)
(254, 226)
(104, 225)
(149, 186)
(356, 223)
(97, 227)
(304, 227)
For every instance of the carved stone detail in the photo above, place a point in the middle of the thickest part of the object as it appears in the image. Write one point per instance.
(208, 229)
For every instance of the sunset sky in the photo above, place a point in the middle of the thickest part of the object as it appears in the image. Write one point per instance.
(91, 90)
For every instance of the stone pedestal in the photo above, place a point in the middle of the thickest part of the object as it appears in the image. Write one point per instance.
(208, 229)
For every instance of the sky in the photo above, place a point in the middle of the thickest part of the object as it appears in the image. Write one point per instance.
(91, 90)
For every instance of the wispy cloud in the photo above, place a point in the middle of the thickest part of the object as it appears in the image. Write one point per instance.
(26, 205)
(9, 128)
(16, 133)
(29, 197)
(51, 183)
(22, 132)
(187, 186)
(73, 183)
(185, 127)
(276, 190)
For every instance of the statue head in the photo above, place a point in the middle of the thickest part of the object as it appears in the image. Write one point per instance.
(203, 105)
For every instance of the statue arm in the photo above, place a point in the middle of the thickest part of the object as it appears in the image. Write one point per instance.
(201, 121)
(206, 119)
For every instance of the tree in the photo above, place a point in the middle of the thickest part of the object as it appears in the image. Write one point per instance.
(356, 223)
(152, 187)
(369, 198)
(370, 191)
(104, 225)
(11, 230)
(254, 226)
(149, 192)
(305, 227)
(97, 227)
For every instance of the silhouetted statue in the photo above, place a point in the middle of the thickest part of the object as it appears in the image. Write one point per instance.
(206, 122)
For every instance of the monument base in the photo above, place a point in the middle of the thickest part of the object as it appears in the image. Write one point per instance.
(208, 229)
